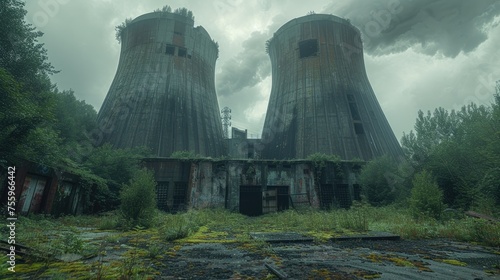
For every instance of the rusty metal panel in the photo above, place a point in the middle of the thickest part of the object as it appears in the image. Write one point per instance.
(32, 193)
(317, 61)
(269, 201)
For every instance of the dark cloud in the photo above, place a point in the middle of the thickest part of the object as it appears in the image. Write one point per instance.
(247, 68)
(445, 27)
(80, 39)
(252, 64)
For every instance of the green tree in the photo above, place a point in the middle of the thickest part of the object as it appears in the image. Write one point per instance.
(117, 167)
(138, 199)
(25, 122)
(377, 181)
(26, 108)
(20, 52)
(461, 149)
(426, 197)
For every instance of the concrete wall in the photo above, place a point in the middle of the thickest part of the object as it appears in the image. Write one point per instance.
(218, 183)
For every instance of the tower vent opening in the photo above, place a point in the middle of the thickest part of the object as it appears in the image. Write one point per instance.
(170, 50)
(308, 48)
(358, 128)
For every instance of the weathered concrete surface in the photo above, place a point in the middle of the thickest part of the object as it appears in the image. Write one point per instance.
(163, 94)
(321, 100)
(424, 259)
(280, 237)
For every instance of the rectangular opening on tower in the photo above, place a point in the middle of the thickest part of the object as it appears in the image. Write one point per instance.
(308, 48)
(182, 52)
(358, 128)
(170, 50)
(354, 112)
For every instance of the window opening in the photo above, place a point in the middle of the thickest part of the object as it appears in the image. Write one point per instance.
(308, 48)
(170, 50)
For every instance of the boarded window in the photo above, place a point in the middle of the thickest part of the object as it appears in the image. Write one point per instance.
(170, 50)
(308, 48)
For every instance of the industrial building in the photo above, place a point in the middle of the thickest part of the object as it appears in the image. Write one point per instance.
(321, 103)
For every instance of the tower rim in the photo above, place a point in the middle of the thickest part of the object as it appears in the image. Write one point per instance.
(160, 15)
(314, 17)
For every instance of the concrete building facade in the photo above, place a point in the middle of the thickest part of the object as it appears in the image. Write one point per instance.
(254, 187)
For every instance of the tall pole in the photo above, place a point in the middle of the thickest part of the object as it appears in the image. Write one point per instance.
(226, 121)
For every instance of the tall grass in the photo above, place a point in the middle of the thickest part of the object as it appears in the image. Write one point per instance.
(360, 218)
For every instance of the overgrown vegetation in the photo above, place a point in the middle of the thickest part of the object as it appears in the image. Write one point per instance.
(139, 247)
(377, 189)
(462, 150)
(138, 199)
(426, 197)
(164, 10)
(49, 127)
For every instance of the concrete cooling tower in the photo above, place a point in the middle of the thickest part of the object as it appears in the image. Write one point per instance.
(321, 100)
(163, 95)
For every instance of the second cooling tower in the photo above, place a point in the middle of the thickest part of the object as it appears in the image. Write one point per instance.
(163, 94)
(321, 100)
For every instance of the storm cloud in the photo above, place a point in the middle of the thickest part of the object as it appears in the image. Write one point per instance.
(419, 54)
(445, 27)
(246, 69)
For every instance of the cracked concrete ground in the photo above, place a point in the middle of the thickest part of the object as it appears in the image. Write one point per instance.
(405, 259)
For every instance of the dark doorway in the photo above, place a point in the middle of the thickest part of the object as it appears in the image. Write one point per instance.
(251, 200)
(326, 196)
(357, 192)
(180, 196)
(282, 197)
(162, 196)
(342, 195)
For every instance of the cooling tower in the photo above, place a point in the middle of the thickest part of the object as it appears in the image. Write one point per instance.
(163, 94)
(321, 100)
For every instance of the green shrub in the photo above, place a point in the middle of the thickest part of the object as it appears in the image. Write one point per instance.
(184, 155)
(377, 182)
(138, 199)
(426, 197)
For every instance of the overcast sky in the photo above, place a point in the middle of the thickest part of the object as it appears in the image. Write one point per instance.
(419, 54)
